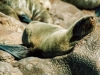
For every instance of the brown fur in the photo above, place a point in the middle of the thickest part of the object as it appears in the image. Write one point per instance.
(31, 8)
(53, 40)
(84, 4)
(8, 10)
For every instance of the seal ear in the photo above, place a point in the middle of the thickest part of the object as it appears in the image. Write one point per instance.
(82, 27)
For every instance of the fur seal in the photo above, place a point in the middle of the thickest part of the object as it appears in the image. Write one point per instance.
(46, 3)
(48, 40)
(8, 11)
(84, 4)
(29, 10)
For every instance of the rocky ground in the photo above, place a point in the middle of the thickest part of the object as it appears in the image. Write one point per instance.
(11, 30)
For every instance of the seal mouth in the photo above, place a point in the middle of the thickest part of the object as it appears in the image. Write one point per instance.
(82, 28)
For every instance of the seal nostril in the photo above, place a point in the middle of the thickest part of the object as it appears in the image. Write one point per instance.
(47, 8)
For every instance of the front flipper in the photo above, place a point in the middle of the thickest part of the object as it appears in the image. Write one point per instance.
(18, 51)
(24, 18)
(97, 11)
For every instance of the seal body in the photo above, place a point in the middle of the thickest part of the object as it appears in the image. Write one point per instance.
(47, 37)
(52, 40)
(8, 10)
(29, 10)
(84, 4)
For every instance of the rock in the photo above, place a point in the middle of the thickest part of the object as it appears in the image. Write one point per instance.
(84, 4)
(10, 37)
(6, 57)
(9, 23)
(11, 30)
(7, 69)
(89, 12)
(37, 66)
(64, 14)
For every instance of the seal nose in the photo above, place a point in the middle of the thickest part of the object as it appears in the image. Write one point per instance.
(48, 8)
